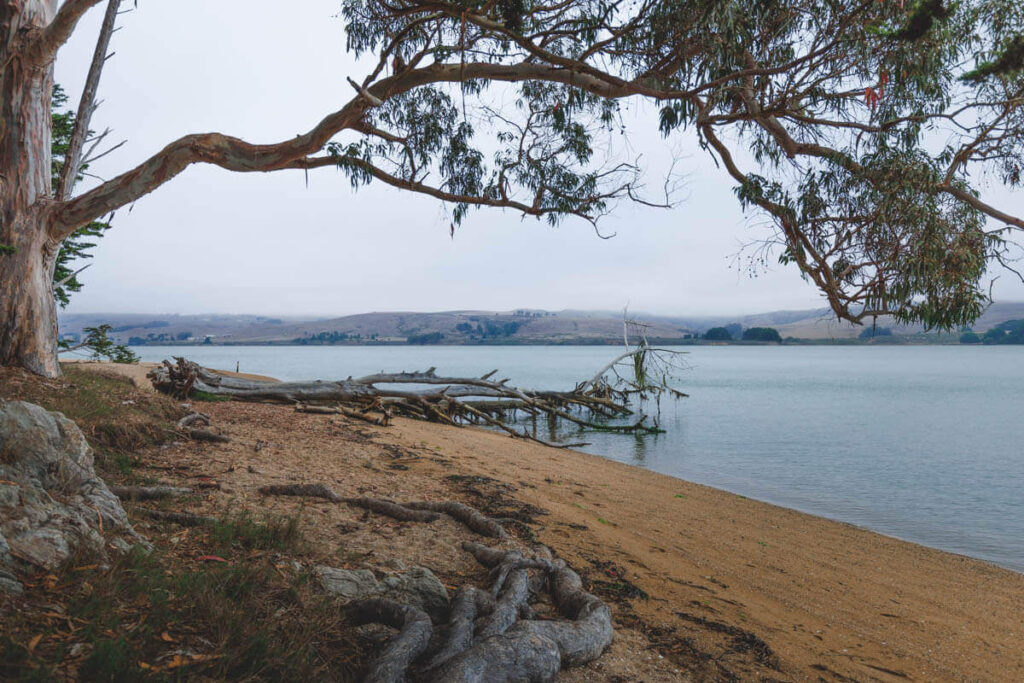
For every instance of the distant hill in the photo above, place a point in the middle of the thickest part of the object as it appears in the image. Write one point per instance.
(456, 327)
(475, 327)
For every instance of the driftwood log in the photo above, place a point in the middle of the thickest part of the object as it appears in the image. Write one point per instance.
(601, 403)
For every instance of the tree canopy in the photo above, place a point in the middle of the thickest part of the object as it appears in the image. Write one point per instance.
(863, 130)
(867, 123)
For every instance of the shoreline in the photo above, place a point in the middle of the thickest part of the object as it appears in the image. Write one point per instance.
(721, 573)
(930, 607)
(137, 372)
(909, 340)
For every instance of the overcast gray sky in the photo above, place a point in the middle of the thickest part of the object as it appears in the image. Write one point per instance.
(214, 241)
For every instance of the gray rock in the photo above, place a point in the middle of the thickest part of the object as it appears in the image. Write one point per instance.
(351, 584)
(9, 584)
(10, 495)
(418, 587)
(5, 552)
(56, 503)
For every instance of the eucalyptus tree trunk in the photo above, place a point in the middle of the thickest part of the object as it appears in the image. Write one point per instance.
(28, 322)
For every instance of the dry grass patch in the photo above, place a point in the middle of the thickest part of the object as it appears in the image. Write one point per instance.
(116, 417)
(222, 602)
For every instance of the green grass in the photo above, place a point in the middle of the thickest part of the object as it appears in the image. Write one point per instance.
(116, 417)
(111, 660)
(208, 397)
(269, 532)
(123, 463)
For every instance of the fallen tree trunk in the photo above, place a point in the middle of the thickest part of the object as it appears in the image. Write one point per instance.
(594, 405)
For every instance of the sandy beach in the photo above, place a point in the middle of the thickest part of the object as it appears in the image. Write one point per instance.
(704, 584)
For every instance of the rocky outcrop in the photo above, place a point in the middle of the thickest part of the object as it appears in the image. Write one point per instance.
(52, 503)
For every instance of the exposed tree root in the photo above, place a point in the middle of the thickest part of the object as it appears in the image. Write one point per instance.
(485, 526)
(393, 509)
(194, 418)
(413, 637)
(182, 518)
(148, 492)
(469, 601)
(207, 435)
(303, 490)
(490, 638)
(514, 656)
(417, 511)
(589, 629)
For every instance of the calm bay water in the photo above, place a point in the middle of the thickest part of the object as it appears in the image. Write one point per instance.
(925, 443)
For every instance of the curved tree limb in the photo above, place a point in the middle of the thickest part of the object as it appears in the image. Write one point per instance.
(987, 209)
(234, 154)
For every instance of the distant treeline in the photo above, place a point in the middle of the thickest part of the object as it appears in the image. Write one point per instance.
(161, 338)
(735, 332)
(489, 329)
(1010, 332)
(333, 338)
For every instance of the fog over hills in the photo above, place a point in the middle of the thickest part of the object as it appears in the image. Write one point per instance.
(524, 326)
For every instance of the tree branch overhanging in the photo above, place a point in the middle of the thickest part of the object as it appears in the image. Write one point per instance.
(817, 102)
(234, 154)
